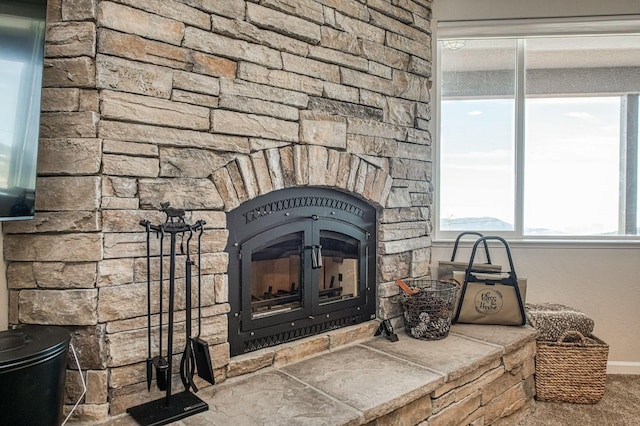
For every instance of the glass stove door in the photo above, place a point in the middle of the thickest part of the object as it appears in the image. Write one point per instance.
(273, 274)
(341, 278)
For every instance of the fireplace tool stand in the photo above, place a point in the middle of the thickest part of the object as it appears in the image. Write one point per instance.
(177, 406)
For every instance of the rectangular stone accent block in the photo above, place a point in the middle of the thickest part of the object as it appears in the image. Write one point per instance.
(278, 78)
(289, 353)
(180, 192)
(69, 124)
(360, 28)
(59, 307)
(306, 9)
(507, 403)
(194, 163)
(57, 275)
(60, 99)
(216, 44)
(129, 148)
(169, 136)
(310, 67)
(124, 301)
(125, 165)
(96, 387)
(337, 57)
(283, 23)
(251, 33)
(135, 21)
(176, 11)
(411, 86)
(135, 77)
(196, 83)
(69, 156)
(68, 193)
(70, 39)
(115, 272)
(229, 8)
(71, 72)
(139, 49)
(264, 92)
(457, 412)
(128, 347)
(258, 106)
(194, 98)
(395, 26)
(516, 358)
(253, 125)
(150, 110)
(79, 10)
(251, 362)
(323, 129)
(83, 247)
(76, 221)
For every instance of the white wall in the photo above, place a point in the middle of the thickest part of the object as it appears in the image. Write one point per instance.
(601, 280)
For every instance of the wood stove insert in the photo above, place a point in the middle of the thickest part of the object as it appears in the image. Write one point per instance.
(301, 261)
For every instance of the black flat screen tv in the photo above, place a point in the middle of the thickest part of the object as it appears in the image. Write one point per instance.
(22, 33)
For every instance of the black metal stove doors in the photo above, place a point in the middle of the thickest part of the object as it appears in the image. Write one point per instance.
(302, 269)
(301, 261)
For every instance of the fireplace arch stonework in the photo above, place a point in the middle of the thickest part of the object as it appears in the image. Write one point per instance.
(290, 166)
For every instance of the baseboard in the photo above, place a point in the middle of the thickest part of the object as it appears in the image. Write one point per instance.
(623, 367)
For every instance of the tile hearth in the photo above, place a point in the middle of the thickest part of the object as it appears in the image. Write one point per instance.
(477, 375)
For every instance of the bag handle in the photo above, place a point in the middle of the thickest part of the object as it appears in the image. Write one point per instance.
(511, 280)
(455, 245)
(573, 334)
(512, 271)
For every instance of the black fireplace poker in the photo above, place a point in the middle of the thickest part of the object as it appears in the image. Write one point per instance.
(173, 407)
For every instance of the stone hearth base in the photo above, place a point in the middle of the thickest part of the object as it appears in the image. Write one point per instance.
(478, 375)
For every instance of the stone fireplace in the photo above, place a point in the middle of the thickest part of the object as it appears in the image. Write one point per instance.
(211, 106)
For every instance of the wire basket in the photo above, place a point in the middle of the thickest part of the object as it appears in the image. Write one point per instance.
(427, 314)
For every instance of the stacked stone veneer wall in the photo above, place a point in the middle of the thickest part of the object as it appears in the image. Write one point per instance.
(206, 104)
(499, 393)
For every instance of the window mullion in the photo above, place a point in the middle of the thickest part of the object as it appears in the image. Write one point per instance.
(631, 165)
(520, 136)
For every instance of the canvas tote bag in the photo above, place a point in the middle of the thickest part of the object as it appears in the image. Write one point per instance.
(446, 268)
(490, 297)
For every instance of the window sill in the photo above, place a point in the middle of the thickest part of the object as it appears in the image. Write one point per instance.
(555, 243)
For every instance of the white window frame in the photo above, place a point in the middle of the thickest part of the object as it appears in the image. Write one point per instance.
(490, 29)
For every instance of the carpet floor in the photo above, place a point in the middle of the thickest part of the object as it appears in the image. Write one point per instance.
(620, 406)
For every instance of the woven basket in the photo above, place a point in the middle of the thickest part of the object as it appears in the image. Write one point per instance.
(573, 369)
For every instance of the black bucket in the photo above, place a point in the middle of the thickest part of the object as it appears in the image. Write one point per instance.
(33, 361)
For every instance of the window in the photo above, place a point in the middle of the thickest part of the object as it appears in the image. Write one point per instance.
(538, 133)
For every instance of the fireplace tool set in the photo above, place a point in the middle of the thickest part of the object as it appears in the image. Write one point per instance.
(195, 356)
